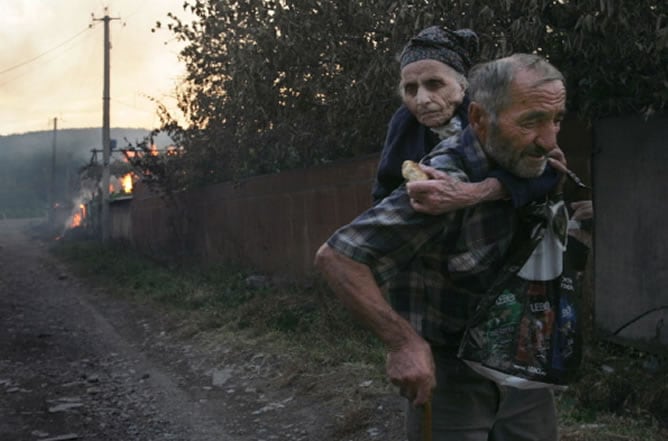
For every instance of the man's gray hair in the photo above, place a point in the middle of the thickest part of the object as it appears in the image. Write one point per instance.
(489, 83)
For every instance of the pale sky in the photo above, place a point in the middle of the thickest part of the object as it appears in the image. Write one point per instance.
(51, 63)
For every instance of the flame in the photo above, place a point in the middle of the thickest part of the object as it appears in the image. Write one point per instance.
(78, 217)
(126, 183)
(128, 155)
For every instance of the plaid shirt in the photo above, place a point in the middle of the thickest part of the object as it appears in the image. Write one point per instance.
(434, 268)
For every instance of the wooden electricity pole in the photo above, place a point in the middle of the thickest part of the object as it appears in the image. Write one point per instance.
(106, 141)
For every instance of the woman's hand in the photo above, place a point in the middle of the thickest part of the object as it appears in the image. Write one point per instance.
(442, 193)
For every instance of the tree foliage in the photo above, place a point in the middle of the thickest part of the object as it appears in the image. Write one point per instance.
(276, 84)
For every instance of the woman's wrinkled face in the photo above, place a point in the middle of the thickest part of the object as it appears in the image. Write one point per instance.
(431, 91)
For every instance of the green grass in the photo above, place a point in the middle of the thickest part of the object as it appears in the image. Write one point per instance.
(622, 393)
(219, 297)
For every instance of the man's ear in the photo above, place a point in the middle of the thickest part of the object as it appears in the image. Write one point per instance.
(479, 120)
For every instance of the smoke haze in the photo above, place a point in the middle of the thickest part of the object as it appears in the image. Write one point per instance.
(65, 77)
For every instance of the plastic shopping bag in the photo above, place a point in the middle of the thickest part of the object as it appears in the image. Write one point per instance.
(526, 333)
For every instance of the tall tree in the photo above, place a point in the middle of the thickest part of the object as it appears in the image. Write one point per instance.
(275, 84)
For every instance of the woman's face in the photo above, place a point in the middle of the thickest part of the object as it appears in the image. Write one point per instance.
(431, 91)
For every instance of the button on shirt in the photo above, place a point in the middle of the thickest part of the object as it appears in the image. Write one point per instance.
(440, 266)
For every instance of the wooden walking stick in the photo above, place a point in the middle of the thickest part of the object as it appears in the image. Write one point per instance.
(426, 421)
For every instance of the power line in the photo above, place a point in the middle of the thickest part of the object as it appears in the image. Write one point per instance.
(49, 58)
(141, 6)
(131, 106)
(16, 66)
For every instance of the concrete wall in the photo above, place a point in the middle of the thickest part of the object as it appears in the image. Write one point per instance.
(631, 265)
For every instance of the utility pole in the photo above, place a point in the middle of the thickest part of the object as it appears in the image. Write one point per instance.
(52, 180)
(106, 142)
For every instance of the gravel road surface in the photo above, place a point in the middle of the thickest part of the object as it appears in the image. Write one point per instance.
(77, 364)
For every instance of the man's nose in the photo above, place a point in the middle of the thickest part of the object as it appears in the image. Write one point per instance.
(546, 138)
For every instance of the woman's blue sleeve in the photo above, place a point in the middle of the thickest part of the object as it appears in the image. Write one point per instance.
(523, 190)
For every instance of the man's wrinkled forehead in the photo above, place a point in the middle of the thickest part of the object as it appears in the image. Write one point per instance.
(527, 87)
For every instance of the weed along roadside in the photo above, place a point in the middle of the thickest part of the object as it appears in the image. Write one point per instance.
(320, 355)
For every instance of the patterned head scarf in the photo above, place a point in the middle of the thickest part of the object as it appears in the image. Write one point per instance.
(454, 48)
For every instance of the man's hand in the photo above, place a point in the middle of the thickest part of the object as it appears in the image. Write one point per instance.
(411, 368)
(410, 364)
(583, 210)
(442, 193)
(557, 160)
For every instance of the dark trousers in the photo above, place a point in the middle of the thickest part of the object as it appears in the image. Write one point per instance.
(469, 407)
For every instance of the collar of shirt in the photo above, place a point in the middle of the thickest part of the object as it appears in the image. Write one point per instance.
(453, 127)
(473, 164)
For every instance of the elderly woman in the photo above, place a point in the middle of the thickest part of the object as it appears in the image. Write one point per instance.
(433, 86)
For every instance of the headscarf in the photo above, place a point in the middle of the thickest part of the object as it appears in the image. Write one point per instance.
(454, 48)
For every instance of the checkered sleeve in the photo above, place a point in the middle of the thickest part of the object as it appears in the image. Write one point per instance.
(387, 236)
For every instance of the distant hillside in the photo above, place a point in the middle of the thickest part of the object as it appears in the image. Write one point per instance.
(25, 164)
(75, 142)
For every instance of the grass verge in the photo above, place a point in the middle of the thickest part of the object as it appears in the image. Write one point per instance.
(622, 393)
(223, 296)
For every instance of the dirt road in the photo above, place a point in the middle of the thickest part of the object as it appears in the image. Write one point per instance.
(78, 364)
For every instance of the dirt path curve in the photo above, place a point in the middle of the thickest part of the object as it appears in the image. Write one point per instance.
(65, 372)
(78, 364)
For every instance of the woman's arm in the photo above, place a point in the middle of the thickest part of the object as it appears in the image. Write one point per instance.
(443, 193)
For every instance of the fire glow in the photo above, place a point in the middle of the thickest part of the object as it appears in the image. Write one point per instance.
(78, 217)
(123, 185)
(126, 183)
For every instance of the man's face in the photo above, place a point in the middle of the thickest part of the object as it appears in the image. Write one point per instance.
(526, 132)
(431, 91)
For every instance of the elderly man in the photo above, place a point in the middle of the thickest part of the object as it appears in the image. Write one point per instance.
(517, 104)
